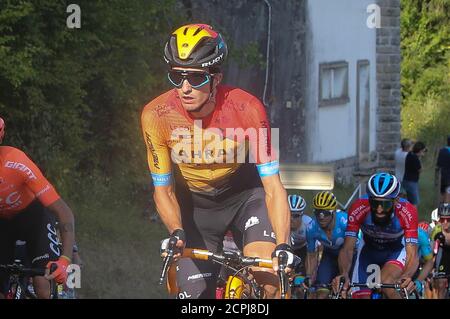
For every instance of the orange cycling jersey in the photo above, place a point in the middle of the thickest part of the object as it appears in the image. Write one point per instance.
(210, 152)
(21, 182)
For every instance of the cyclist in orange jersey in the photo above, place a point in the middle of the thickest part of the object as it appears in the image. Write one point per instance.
(26, 198)
(211, 141)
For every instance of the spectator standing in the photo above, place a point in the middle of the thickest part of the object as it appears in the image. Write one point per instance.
(400, 157)
(443, 166)
(413, 167)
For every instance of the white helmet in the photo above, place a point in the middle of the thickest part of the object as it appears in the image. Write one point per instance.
(434, 215)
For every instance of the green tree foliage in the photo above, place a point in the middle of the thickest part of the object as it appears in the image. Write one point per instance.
(72, 97)
(425, 29)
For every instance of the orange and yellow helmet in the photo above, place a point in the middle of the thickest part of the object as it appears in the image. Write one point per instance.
(195, 46)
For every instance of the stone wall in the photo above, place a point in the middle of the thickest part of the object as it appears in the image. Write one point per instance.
(244, 23)
(388, 82)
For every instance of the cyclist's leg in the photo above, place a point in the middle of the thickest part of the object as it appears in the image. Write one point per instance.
(37, 227)
(392, 270)
(205, 224)
(441, 284)
(252, 226)
(328, 269)
(7, 245)
(364, 257)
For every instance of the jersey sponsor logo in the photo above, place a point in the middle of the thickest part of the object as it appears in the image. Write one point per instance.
(252, 221)
(152, 150)
(21, 167)
(357, 212)
(163, 109)
(46, 256)
(351, 234)
(11, 201)
(266, 234)
(268, 169)
(406, 215)
(45, 189)
(161, 179)
(411, 240)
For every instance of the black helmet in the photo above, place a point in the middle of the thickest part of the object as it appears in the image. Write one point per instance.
(196, 46)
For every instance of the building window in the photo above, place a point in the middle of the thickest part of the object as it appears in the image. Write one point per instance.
(333, 83)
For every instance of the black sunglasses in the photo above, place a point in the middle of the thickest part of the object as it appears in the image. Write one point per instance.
(295, 216)
(195, 79)
(386, 204)
(322, 213)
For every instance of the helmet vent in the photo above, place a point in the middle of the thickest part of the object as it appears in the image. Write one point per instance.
(197, 31)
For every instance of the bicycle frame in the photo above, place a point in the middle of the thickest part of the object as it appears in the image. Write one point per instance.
(18, 285)
(237, 284)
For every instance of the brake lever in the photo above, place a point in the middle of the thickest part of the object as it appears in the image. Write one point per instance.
(282, 259)
(167, 259)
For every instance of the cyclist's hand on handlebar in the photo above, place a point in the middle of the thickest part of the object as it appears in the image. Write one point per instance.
(336, 282)
(179, 238)
(60, 273)
(291, 257)
(407, 283)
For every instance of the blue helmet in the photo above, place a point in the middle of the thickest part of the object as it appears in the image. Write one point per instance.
(296, 203)
(383, 185)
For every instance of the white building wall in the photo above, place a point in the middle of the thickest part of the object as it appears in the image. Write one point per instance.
(337, 31)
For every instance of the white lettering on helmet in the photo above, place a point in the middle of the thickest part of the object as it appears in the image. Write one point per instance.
(206, 64)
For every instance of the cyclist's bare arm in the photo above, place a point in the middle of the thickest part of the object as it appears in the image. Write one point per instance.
(277, 206)
(426, 269)
(412, 260)
(168, 208)
(169, 211)
(66, 225)
(346, 255)
(311, 265)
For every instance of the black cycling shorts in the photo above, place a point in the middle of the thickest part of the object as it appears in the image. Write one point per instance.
(444, 266)
(206, 221)
(35, 225)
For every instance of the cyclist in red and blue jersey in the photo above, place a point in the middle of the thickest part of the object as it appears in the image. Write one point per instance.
(389, 227)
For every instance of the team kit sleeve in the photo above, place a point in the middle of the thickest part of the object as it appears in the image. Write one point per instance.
(158, 155)
(262, 148)
(425, 246)
(407, 214)
(355, 216)
(310, 238)
(36, 182)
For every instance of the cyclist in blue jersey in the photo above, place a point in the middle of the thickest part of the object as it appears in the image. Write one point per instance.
(327, 227)
(299, 224)
(425, 253)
